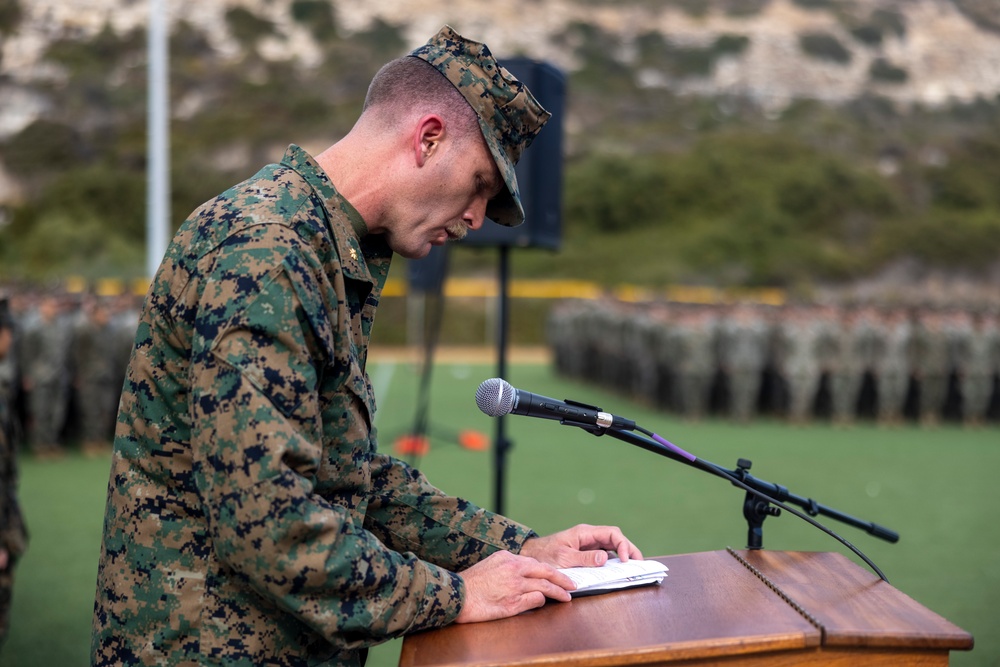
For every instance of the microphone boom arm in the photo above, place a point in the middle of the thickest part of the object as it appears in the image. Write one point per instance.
(760, 493)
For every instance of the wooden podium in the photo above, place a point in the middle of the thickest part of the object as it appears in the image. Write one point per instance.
(733, 607)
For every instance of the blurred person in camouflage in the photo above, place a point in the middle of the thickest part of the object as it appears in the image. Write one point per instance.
(742, 353)
(847, 368)
(798, 360)
(46, 375)
(12, 368)
(13, 536)
(639, 341)
(893, 366)
(250, 518)
(974, 365)
(96, 379)
(10, 371)
(694, 355)
(931, 365)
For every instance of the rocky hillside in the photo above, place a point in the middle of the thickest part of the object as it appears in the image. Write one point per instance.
(925, 52)
(785, 138)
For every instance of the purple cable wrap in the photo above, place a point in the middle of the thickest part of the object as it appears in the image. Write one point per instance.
(674, 448)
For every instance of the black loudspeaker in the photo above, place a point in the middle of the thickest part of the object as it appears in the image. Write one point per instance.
(539, 171)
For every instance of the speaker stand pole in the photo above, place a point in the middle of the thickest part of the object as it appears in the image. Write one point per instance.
(501, 445)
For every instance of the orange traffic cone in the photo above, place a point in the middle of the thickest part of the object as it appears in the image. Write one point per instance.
(413, 445)
(473, 440)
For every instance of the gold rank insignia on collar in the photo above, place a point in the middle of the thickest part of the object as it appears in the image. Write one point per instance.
(354, 254)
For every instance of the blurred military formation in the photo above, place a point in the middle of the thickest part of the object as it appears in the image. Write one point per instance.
(839, 363)
(63, 377)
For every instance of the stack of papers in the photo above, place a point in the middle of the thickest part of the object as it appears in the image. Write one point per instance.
(614, 575)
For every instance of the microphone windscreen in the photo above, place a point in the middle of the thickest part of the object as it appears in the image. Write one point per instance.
(495, 397)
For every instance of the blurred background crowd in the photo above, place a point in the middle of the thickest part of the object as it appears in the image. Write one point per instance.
(892, 364)
(64, 375)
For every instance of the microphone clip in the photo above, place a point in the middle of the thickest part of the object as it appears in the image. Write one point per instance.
(592, 429)
(578, 404)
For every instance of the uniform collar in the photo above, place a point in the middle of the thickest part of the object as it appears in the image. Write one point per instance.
(362, 256)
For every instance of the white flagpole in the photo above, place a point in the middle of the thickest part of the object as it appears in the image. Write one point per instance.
(158, 138)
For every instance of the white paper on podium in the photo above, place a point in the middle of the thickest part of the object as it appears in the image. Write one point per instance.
(615, 575)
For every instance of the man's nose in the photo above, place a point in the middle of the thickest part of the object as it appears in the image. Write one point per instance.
(475, 215)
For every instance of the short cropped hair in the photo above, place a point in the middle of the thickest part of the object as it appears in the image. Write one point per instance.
(411, 85)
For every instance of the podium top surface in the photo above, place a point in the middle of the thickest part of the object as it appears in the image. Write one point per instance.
(711, 605)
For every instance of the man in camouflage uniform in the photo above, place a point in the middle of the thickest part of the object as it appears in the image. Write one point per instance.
(694, 354)
(13, 536)
(664, 361)
(847, 369)
(742, 355)
(589, 322)
(46, 376)
(250, 518)
(96, 381)
(567, 336)
(975, 368)
(558, 330)
(892, 367)
(931, 365)
(10, 371)
(798, 360)
(639, 338)
(609, 342)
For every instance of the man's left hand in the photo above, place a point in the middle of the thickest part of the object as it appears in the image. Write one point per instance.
(581, 546)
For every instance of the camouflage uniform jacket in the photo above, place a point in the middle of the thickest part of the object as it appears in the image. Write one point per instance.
(250, 519)
(13, 534)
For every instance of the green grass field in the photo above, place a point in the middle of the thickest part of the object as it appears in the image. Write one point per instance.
(935, 487)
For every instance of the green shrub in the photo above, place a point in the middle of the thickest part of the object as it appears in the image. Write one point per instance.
(814, 4)
(246, 26)
(968, 182)
(10, 16)
(695, 8)
(58, 244)
(729, 43)
(656, 52)
(42, 147)
(737, 206)
(870, 35)
(882, 70)
(946, 238)
(824, 46)
(614, 193)
(743, 8)
(384, 40)
(317, 15)
(96, 56)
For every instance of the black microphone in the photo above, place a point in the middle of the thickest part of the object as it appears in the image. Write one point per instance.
(496, 397)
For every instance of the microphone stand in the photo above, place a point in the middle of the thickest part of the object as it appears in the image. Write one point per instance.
(501, 443)
(760, 494)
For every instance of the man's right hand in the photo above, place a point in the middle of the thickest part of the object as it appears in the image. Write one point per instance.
(504, 584)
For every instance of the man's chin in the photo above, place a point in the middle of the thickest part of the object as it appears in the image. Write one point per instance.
(419, 252)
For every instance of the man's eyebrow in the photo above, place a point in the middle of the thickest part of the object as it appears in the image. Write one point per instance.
(494, 184)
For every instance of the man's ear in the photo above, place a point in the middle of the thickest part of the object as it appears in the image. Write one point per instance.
(427, 136)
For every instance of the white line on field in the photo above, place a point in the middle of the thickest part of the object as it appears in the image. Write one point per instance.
(381, 380)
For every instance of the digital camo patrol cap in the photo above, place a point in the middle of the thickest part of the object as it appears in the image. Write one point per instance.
(509, 115)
